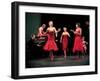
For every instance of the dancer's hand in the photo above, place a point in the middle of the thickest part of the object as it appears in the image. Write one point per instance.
(72, 30)
(60, 41)
(56, 40)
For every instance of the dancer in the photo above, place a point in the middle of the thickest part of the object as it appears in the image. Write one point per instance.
(50, 45)
(78, 46)
(41, 30)
(84, 45)
(64, 41)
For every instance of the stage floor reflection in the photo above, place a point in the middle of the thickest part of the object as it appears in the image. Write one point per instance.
(58, 61)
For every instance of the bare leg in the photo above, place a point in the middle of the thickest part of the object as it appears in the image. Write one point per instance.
(51, 56)
(85, 50)
(65, 54)
(78, 54)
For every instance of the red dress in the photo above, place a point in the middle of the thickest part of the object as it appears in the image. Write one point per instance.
(64, 42)
(42, 32)
(78, 46)
(50, 44)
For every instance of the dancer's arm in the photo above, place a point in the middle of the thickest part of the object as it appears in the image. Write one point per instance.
(40, 31)
(72, 30)
(75, 32)
(86, 42)
(55, 31)
(47, 30)
(61, 38)
(80, 32)
(68, 34)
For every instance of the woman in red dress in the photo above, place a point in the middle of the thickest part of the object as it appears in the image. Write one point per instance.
(50, 45)
(41, 30)
(78, 46)
(64, 41)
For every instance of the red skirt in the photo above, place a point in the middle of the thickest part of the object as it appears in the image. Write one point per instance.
(78, 46)
(64, 42)
(50, 45)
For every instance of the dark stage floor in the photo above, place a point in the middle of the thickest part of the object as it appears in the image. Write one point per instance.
(58, 61)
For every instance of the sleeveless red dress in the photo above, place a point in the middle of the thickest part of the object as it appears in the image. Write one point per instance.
(40, 34)
(50, 44)
(78, 46)
(64, 42)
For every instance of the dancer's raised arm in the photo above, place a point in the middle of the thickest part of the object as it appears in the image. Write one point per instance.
(55, 31)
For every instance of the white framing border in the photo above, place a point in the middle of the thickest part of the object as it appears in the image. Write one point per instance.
(53, 70)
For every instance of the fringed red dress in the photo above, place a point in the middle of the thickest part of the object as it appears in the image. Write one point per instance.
(50, 44)
(64, 42)
(78, 46)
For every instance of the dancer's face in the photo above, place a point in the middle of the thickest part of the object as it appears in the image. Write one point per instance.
(76, 26)
(65, 29)
(43, 25)
(51, 23)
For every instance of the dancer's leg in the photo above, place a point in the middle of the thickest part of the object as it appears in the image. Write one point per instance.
(51, 55)
(65, 54)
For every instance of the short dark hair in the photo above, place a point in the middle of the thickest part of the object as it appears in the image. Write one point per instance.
(43, 25)
(78, 24)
